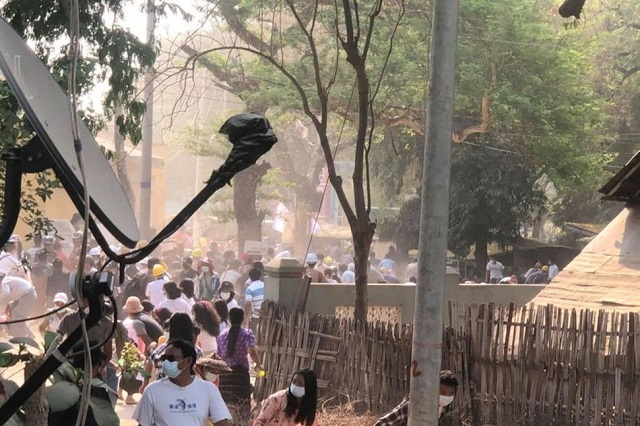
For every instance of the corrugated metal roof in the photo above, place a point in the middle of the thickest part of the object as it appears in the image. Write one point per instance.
(625, 185)
(606, 274)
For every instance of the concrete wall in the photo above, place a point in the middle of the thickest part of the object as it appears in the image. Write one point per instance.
(324, 298)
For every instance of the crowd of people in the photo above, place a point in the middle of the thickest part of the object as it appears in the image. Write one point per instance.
(537, 274)
(190, 316)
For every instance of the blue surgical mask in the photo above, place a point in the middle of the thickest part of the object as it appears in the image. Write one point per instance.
(170, 369)
(297, 391)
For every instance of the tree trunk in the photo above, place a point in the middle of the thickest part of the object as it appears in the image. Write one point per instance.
(121, 161)
(36, 406)
(481, 258)
(248, 218)
(362, 246)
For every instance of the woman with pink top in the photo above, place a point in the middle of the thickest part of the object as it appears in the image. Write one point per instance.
(295, 406)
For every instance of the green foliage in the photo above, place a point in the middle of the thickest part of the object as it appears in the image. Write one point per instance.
(110, 54)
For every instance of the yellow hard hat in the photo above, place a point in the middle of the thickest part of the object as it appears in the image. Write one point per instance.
(328, 261)
(158, 270)
(197, 252)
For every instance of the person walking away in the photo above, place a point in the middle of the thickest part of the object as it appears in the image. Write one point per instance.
(399, 416)
(253, 298)
(174, 301)
(11, 260)
(187, 287)
(187, 271)
(210, 368)
(494, 271)
(536, 267)
(227, 293)
(295, 406)
(205, 315)
(40, 272)
(52, 322)
(222, 310)
(154, 288)
(20, 295)
(142, 329)
(349, 276)
(553, 269)
(181, 398)
(235, 345)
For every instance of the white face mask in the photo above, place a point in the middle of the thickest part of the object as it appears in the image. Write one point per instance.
(170, 369)
(210, 377)
(205, 269)
(225, 295)
(445, 400)
(296, 391)
(166, 335)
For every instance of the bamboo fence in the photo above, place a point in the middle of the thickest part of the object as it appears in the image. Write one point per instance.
(544, 365)
(361, 365)
(534, 365)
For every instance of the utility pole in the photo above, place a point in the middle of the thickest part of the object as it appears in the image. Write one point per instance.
(147, 131)
(434, 218)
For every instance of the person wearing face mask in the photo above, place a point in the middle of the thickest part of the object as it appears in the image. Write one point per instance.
(207, 282)
(209, 368)
(227, 293)
(295, 406)
(181, 398)
(399, 416)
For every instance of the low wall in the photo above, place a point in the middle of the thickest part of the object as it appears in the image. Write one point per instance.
(325, 298)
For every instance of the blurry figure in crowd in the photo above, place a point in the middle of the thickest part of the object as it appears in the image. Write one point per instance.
(52, 322)
(174, 301)
(227, 293)
(17, 293)
(154, 290)
(206, 316)
(58, 281)
(208, 282)
(296, 405)
(223, 313)
(253, 298)
(187, 271)
(494, 270)
(553, 269)
(187, 287)
(311, 262)
(11, 259)
(349, 276)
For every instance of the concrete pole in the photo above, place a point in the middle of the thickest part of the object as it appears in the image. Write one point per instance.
(147, 132)
(427, 333)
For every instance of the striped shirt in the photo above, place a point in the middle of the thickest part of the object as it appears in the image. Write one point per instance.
(255, 295)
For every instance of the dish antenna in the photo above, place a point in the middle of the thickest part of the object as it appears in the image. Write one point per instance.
(46, 107)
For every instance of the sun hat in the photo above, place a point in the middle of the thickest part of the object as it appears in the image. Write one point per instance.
(133, 305)
(312, 258)
(214, 363)
(60, 297)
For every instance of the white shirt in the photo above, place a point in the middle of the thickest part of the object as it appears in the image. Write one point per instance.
(207, 342)
(255, 295)
(175, 306)
(495, 270)
(189, 300)
(11, 265)
(232, 304)
(13, 288)
(167, 404)
(553, 271)
(154, 291)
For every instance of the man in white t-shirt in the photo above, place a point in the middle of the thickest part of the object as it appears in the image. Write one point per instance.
(494, 271)
(181, 398)
(154, 291)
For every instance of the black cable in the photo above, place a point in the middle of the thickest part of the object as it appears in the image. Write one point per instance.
(111, 333)
(39, 316)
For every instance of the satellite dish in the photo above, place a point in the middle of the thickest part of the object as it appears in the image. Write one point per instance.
(47, 108)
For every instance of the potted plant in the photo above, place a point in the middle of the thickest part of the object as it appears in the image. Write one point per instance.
(131, 364)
